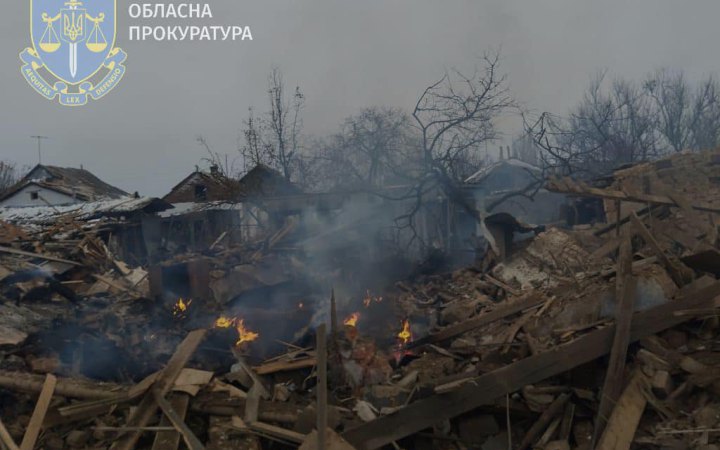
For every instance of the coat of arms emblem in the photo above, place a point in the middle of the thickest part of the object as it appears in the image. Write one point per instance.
(73, 53)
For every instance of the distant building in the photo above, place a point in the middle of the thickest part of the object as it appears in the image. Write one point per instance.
(209, 206)
(55, 186)
(213, 186)
(203, 187)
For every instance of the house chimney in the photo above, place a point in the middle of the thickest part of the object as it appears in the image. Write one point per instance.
(214, 169)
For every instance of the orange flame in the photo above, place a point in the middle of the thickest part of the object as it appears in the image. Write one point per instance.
(352, 319)
(180, 307)
(224, 322)
(369, 299)
(244, 335)
(405, 335)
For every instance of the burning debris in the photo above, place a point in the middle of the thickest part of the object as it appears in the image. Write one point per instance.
(244, 335)
(405, 335)
(352, 320)
(180, 308)
(603, 336)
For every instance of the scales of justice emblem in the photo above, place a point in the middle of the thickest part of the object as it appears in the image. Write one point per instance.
(73, 56)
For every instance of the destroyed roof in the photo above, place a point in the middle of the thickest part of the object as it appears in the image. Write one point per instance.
(262, 181)
(78, 183)
(83, 211)
(203, 186)
(193, 207)
(482, 174)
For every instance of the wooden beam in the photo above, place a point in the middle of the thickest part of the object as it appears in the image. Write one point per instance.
(189, 437)
(502, 311)
(169, 440)
(488, 387)
(14, 251)
(277, 432)
(624, 305)
(6, 438)
(38, 415)
(252, 403)
(625, 418)
(284, 366)
(680, 274)
(545, 418)
(624, 220)
(147, 408)
(65, 387)
(322, 401)
(567, 186)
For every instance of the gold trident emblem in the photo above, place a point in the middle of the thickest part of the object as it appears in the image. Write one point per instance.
(72, 28)
(73, 25)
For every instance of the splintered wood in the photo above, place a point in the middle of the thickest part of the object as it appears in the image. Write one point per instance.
(602, 336)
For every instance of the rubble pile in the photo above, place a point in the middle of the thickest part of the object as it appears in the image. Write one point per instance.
(602, 336)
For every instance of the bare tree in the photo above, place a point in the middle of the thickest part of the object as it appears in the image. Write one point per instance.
(706, 115)
(273, 139)
(367, 148)
(623, 122)
(673, 101)
(454, 118)
(687, 118)
(456, 115)
(611, 125)
(9, 175)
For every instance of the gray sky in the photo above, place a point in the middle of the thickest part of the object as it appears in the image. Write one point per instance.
(345, 54)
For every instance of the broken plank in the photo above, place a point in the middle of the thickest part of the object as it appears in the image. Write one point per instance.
(275, 412)
(277, 432)
(38, 416)
(504, 286)
(624, 220)
(14, 251)
(257, 382)
(611, 194)
(147, 408)
(252, 403)
(6, 438)
(65, 387)
(545, 418)
(499, 313)
(189, 437)
(488, 387)
(284, 366)
(322, 400)
(169, 440)
(110, 283)
(624, 304)
(680, 274)
(625, 417)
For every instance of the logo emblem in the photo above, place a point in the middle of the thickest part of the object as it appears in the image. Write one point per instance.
(73, 53)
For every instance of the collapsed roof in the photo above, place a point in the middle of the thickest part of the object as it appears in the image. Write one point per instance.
(78, 183)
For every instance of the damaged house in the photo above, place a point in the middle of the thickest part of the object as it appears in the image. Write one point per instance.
(209, 207)
(602, 336)
(51, 185)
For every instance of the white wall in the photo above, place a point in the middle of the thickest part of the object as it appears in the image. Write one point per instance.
(23, 198)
